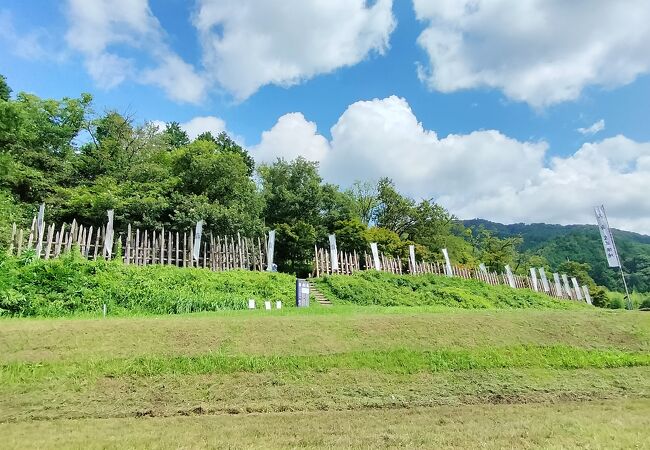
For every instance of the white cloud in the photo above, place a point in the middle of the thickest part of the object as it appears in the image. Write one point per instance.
(539, 52)
(248, 44)
(198, 125)
(290, 137)
(201, 124)
(97, 28)
(36, 44)
(593, 129)
(482, 174)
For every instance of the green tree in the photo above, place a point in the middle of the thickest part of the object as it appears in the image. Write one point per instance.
(175, 136)
(5, 90)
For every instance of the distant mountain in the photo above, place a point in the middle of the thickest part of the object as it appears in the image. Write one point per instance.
(581, 243)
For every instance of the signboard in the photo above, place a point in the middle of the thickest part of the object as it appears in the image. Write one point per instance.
(198, 233)
(545, 285)
(412, 258)
(448, 270)
(533, 277)
(270, 250)
(558, 284)
(483, 269)
(334, 254)
(108, 241)
(606, 236)
(576, 286)
(511, 278)
(375, 255)
(302, 293)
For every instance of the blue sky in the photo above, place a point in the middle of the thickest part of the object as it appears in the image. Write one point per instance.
(509, 93)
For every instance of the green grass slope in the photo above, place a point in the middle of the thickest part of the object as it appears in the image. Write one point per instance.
(375, 288)
(478, 378)
(73, 285)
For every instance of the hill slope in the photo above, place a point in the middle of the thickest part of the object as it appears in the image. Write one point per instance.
(581, 243)
(337, 377)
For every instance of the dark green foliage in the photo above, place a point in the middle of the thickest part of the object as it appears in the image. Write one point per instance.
(581, 243)
(73, 285)
(375, 288)
(5, 90)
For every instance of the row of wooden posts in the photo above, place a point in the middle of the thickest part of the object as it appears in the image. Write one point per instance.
(141, 247)
(349, 263)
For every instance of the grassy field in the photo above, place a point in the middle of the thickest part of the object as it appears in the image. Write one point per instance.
(344, 376)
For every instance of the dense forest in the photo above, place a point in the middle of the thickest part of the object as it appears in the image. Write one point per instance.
(558, 243)
(81, 163)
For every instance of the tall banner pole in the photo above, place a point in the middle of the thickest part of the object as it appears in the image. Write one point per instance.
(108, 239)
(270, 251)
(448, 269)
(611, 252)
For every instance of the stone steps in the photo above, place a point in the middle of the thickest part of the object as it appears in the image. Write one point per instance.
(318, 295)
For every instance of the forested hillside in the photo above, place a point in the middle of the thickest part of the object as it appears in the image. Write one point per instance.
(581, 243)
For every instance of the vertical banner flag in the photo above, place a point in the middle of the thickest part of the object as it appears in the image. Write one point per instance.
(270, 249)
(412, 258)
(567, 286)
(108, 240)
(198, 233)
(40, 229)
(533, 277)
(558, 284)
(334, 254)
(576, 286)
(483, 269)
(375, 255)
(585, 290)
(448, 270)
(542, 274)
(606, 236)
(511, 278)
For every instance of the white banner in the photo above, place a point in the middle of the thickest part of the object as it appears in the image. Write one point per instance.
(545, 285)
(576, 286)
(482, 268)
(412, 258)
(567, 286)
(334, 254)
(606, 235)
(585, 290)
(40, 229)
(108, 240)
(558, 284)
(533, 277)
(375, 255)
(198, 233)
(511, 278)
(448, 271)
(270, 250)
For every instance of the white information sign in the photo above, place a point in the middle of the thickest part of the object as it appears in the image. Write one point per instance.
(334, 254)
(545, 285)
(198, 233)
(448, 271)
(511, 278)
(271, 249)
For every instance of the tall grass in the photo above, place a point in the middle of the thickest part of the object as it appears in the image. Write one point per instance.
(375, 288)
(72, 285)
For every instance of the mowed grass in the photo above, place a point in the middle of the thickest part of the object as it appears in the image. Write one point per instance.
(609, 424)
(394, 375)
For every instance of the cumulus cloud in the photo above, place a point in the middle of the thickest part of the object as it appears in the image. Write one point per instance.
(593, 129)
(539, 52)
(97, 28)
(198, 125)
(482, 174)
(248, 44)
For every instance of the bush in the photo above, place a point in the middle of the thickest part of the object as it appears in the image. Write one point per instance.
(376, 288)
(71, 285)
